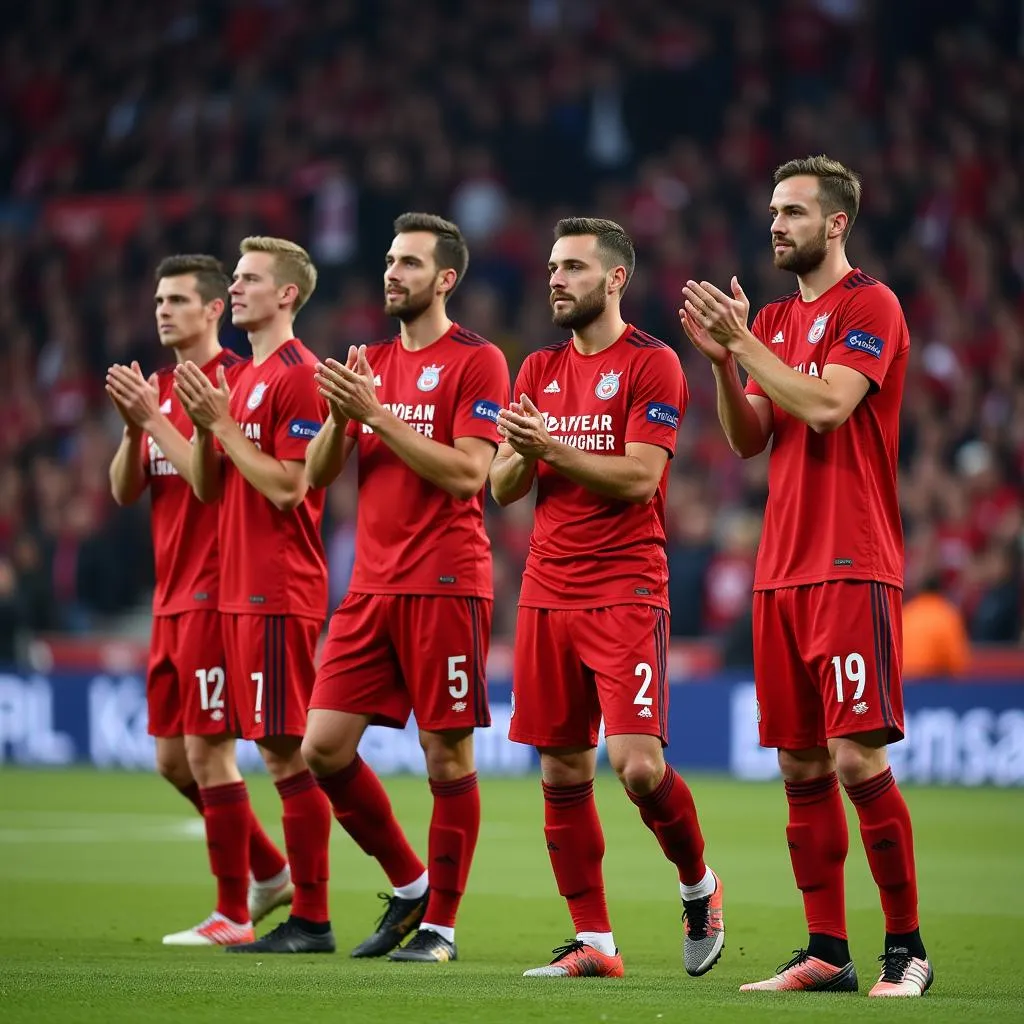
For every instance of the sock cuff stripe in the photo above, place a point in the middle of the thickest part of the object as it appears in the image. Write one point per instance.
(871, 789)
(454, 787)
(294, 785)
(811, 791)
(342, 777)
(565, 796)
(229, 793)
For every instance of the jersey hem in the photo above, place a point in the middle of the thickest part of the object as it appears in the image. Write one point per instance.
(169, 611)
(414, 591)
(590, 603)
(806, 581)
(249, 609)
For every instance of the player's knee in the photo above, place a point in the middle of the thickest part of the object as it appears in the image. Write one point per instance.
(856, 762)
(174, 768)
(802, 765)
(448, 756)
(639, 771)
(323, 756)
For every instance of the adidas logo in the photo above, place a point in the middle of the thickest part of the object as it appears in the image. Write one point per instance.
(376, 380)
(644, 713)
(552, 388)
(445, 858)
(860, 708)
(883, 844)
(778, 339)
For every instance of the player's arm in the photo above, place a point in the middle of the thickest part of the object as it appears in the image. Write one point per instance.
(824, 403)
(282, 483)
(460, 468)
(633, 477)
(328, 452)
(206, 467)
(512, 475)
(746, 419)
(127, 472)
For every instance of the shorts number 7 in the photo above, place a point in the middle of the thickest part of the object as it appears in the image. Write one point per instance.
(855, 673)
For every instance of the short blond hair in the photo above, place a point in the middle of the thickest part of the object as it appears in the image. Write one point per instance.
(292, 264)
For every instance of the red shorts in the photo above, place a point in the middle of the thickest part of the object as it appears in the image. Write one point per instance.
(827, 662)
(391, 654)
(574, 666)
(270, 672)
(185, 690)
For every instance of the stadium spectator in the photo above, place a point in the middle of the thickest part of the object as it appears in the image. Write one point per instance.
(935, 641)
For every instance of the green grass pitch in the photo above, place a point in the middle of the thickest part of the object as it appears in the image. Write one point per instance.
(95, 868)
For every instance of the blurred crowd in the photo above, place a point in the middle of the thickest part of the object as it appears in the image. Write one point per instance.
(130, 131)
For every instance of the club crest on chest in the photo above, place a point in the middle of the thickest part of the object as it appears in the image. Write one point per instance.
(430, 377)
(608, 385)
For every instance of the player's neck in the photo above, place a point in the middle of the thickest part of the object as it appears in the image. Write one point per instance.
(199, 351)
(266, 340)
(427, 328)
(830, 272)
(599, 335)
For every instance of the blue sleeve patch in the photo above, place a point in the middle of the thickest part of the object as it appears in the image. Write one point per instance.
(663, 415)
(861, 341)
(306, 429)
(484, 410)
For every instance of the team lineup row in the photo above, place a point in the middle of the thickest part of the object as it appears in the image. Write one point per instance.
(237, 455)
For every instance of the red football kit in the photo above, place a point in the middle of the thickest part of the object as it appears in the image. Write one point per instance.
(592, 632)
(829, 576)
(414, 630)
(185, 685)
(273, 590)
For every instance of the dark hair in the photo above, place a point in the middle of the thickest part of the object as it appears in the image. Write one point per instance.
(450, 249)
(614, 245)
(838, 186)
(211, 280)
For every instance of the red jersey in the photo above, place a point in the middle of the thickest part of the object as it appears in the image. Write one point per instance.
(412, 537)
(587, 550)
(833, 511)
(184, 528)
(272, 562)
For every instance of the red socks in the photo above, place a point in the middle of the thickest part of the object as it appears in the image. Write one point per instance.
(818, 843)
(669, 812)
(228, 819)
(889, 844)
(192, 794)
(363, 810)
(454, 828)
(576, 848)
(307, 833)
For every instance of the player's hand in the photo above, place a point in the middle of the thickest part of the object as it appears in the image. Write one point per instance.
(700, 338)
(723, 317)
(134, 397)
(352, 387)
(207, 406)
(522, 427)
(330, 385)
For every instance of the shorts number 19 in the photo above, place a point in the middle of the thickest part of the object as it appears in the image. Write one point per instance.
(853, 670)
